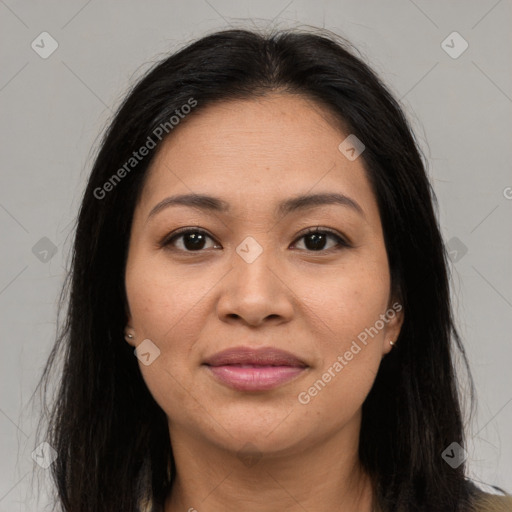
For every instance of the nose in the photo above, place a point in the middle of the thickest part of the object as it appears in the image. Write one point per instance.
(256, 292)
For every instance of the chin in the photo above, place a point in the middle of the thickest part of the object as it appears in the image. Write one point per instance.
(269, 429)
(251, 443)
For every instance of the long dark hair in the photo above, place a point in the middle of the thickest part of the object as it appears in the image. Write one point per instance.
(111, 437)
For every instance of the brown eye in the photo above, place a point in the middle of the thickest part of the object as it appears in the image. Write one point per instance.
(190, 240)
(195, 240)
(316, 240)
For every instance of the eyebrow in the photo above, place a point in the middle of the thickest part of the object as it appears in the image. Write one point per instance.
(215, 204)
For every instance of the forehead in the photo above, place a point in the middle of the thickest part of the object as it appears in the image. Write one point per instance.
(257, 150)
(243, 127)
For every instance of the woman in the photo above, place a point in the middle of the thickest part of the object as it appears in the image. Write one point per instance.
(258, 229)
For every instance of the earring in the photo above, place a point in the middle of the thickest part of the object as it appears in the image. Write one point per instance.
(392, 343)
(128, 336)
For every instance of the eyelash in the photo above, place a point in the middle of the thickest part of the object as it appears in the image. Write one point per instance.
(341, 242)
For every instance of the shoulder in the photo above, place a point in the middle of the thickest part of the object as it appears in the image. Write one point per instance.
(484, 501)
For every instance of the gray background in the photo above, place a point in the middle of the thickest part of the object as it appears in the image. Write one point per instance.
(54, 109)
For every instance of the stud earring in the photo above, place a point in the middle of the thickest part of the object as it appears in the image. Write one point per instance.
(128, 336)
(392, 343)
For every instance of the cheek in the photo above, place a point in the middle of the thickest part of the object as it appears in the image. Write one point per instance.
(170, 309)
(162, 310)
(343, 314)
(163, 303)
(334, 398)
(349, 356)
(344, 307)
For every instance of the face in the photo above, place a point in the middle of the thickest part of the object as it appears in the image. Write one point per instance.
(246, 274)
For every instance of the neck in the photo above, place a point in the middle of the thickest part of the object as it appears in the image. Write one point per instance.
(324, 476)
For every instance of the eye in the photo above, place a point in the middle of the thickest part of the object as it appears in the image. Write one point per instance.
(193, 240)
(315, 239)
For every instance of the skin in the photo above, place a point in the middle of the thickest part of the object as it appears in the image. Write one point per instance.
(313, 303)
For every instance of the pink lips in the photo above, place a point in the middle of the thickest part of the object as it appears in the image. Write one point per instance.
(247, 369)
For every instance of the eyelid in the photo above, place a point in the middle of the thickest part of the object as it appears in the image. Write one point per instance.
(342, 239)
(166, 240)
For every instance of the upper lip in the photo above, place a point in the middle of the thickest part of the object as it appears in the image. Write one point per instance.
(265, 356)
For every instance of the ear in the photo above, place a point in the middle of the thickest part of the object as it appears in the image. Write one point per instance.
(395, 320)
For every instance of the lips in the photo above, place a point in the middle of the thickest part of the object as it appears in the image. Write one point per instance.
(248, 369)
(257, 357)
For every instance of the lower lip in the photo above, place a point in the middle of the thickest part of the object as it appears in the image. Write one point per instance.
(255, 378)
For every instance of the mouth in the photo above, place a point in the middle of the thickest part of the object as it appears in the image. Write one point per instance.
(246, 369)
